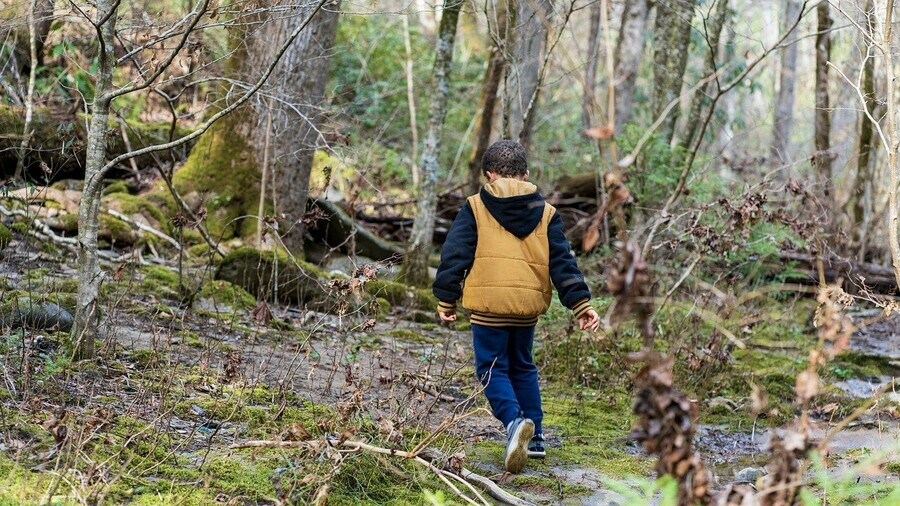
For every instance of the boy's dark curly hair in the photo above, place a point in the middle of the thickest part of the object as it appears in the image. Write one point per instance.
(505, 158)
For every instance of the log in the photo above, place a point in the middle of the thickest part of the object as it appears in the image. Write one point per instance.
(877, 277)
(337, 229)
(58, 143)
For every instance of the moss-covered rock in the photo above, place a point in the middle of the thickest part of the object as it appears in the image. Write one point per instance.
(116, 187)
(5, 236)
(270, 274)
(399, 294)
(224, 292)
(138, 207)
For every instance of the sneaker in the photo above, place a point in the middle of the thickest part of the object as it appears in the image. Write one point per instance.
(520, 431)
(536, 447)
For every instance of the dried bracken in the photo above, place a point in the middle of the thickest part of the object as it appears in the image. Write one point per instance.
(631, 284)
(665, 427)
(782, 486)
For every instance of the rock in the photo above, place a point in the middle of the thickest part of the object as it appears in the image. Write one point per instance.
(39, 315)
(749, 475)
(268, 275)
(5, 236)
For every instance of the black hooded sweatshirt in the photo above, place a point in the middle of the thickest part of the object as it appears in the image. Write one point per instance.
(519, 215)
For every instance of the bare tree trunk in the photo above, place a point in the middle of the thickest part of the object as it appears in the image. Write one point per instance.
(492, 79)
(524, 71)
(89, 274)
(299, 85)
(713, 31)
(892, 140)
(29, 99)
(784, 100)
(822, 126)
(672, 36)
(725, 133)
(629, 49)
(864, 193)
(411, 102)
(43, 14)
(589, 100)
(416, 269)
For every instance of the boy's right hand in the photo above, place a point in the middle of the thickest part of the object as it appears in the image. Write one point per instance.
(589, 320)
(448, 316)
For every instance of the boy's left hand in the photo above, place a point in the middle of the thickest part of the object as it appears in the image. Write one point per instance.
(589, 320)
(448, 316)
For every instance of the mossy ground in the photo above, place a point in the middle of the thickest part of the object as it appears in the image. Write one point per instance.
(176, 412)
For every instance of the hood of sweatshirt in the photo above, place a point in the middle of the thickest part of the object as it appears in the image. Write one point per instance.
(516, 205)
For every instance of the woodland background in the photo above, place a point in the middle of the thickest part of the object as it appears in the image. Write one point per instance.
(220, 220)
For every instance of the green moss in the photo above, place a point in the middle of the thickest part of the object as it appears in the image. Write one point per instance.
(20, 227)
(117, 231)
(222, 166)
(5, 236)
(267, 273)
(399, 294)
(116, 187)
(134, 204)
(156, 278)
(224, 292)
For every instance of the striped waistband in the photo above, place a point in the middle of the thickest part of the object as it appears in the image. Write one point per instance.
(493, 320)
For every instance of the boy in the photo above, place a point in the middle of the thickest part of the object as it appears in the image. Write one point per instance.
(507, 244)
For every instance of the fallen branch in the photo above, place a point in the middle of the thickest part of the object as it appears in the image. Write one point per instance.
(434, 460)
(141, 226)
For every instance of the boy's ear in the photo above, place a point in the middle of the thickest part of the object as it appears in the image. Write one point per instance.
(527, 173)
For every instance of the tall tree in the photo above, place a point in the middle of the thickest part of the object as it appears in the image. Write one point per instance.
(104, 18)
(822, 125)
(864, 191)
(498, 32)
(671, 39)
(712, 31)
(784, 100)
(416, 268)
(530, 19)
(589, 98)
(629, 49)
(299, 87)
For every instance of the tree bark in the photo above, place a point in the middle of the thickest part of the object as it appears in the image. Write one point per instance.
(822, 126)
(892, 140)
(864, 193)
(589, 99)
(299, 86)
(713, 32)
(43, 13)
(524, 71)
(784, 99)
(629, 49)
(671, 39)
(416, 269)
(89, 274)
(492, 79)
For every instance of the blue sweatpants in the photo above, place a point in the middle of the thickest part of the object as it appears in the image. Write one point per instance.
(504, 365)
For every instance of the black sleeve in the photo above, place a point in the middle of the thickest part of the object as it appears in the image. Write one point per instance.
(457, 256)
(567, 278)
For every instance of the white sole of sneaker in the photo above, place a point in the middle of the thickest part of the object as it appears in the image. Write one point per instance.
(537, 455)
(518, 456)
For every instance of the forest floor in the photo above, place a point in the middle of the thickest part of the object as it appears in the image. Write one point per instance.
(164, 414)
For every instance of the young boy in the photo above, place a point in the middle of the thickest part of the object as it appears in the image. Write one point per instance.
(508, 245)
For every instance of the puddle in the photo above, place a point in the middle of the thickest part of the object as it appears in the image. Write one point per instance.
(881, 339)
(862, 388)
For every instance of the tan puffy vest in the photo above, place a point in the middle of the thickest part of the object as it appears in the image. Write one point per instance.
(510, 276)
